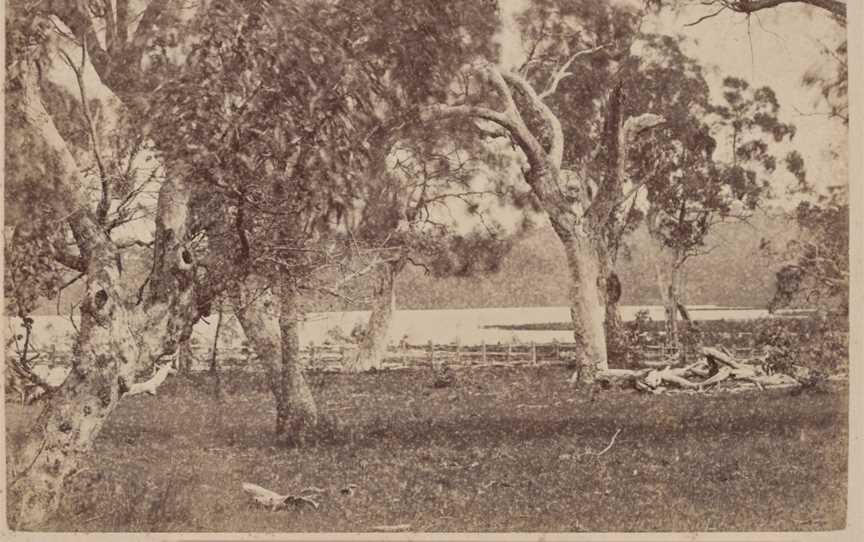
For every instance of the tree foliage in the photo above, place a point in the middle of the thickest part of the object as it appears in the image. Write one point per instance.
(817, 272)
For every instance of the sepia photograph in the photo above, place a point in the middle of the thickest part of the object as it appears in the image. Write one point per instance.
(389, 269)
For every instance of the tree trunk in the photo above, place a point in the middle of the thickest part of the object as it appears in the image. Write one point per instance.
(184, 358)
(114, 340)
(256, 310)
(214, 352)
(587, 307)
(668, 275)
(613, 324)
(373, 347)
(300, 411)
(670, 307)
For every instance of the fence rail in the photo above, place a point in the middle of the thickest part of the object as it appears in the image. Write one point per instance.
(334, 357)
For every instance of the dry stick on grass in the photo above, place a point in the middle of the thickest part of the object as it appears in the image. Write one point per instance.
(274, 500)
(392, 528)
(611, 443)
(604, 450)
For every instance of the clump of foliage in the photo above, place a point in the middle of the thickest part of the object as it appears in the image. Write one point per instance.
(817, 275)
(443, 376)
(634, 336)
(817, 348)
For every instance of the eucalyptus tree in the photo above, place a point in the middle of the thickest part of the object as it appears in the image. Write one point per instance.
(287, 113)
(566, 112)
(116, 338)
(709, 163)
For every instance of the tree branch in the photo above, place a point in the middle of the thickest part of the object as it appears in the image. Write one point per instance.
(835, 7)
(105, 200)
(66, 257)
(562, 71)
(534, 102)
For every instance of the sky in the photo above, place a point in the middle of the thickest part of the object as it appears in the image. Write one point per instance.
(775, 49)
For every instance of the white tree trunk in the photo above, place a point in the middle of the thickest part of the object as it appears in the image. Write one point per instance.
(587, 307)
(373, 347)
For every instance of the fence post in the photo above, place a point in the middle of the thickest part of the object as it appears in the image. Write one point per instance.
(483, 351)
(311, 353)
(458, 350)
(404, 346)
(557, 350)
(533, 353)
(509, 350)
(431, 354)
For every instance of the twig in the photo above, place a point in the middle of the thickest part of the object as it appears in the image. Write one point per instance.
(704, 17)
(392, 528)
(611, 442)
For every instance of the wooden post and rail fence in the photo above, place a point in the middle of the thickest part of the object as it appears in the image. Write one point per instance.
(333, 357)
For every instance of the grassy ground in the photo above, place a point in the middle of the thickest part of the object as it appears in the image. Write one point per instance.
(501, 450)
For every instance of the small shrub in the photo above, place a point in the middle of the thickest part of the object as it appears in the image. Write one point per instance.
(626, 345)
(817, 346)
(443, 376)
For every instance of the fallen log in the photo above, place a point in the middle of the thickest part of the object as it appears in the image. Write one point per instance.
(716, 367)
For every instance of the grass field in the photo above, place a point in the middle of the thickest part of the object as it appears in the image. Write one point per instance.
(501, 450)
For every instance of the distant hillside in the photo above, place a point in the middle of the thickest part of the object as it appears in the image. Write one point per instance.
(534, 273)
(735, 273)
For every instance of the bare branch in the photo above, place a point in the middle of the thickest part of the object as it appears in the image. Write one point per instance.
(704, 17)
(65, 257)
(562, 71)
(104, 202)
(835, 7)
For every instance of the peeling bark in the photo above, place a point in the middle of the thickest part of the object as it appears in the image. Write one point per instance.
(114, 340)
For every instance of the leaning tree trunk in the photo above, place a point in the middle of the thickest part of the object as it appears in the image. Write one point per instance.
(300, 412)
(373, 347)
(115, 340)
